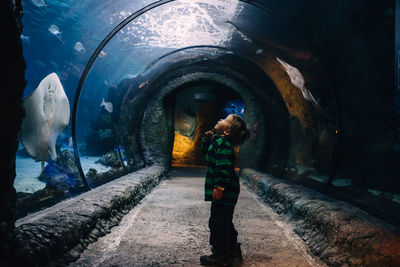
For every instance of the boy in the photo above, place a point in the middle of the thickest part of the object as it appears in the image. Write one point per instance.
(222, 187)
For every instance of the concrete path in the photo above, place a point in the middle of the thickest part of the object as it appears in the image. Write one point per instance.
(170, 228)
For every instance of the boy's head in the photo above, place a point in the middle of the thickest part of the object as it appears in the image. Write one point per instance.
(234, 127)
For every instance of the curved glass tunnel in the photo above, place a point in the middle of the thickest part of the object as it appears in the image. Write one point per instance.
(145, 80)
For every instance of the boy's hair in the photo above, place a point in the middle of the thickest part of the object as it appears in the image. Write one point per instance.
(238, 131)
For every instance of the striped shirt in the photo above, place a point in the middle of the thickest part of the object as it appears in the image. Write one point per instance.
(220, 170)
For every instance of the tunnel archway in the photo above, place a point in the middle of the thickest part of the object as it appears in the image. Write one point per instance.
(265, 57)
(296, 139)
(197, 107)
(251, 88)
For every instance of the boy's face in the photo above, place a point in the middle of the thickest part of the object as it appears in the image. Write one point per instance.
(223, 125)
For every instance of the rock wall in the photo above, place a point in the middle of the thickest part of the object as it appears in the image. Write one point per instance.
(11, 115)
(250, 90)
(336, 232)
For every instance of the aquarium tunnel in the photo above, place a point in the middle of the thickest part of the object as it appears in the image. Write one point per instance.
(115, 86)
(144, 81)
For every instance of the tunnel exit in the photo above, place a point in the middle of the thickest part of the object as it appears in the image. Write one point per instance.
(197, 109)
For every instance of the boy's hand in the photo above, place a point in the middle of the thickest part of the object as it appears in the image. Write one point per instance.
(218, 193)
(208, 135)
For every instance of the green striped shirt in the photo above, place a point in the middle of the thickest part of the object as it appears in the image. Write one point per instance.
(220, 170)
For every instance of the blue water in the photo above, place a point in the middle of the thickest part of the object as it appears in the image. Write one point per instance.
(61, 37)
(87, 22)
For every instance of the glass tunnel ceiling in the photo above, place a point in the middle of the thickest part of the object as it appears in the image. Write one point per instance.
(96, 46)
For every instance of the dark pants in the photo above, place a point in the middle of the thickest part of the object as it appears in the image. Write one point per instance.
(223, 235)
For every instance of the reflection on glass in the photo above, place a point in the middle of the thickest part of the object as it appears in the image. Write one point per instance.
(182, 24)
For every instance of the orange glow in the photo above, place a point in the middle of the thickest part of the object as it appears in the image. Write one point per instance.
(182, 148)
(185, 153)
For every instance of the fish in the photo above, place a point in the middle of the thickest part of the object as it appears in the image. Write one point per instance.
(39, 3)
(54, 29)
(143, 84)
(70, 144)
(47, 114)
(79, 47)
(25, 39)
(102, 54)
(259, 51)
(297, 80)
(294, 74)
(107, 105)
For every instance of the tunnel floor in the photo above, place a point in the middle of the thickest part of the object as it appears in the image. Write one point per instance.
(170, 228)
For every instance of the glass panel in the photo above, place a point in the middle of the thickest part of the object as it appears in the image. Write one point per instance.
(261, 49)
(140, 43)
(58, 38)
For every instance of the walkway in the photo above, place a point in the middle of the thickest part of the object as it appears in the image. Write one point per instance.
(170, 228)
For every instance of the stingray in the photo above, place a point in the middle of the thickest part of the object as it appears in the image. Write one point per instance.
(46, 115)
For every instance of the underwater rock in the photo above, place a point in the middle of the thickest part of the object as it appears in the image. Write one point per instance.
(28, 202)
(92, 175)
(99, 139)
(56, 177)
(110, 159)
(107, 106)
(62, 174)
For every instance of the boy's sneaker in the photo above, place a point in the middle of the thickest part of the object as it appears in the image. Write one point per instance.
(216, 260)
(237, 252)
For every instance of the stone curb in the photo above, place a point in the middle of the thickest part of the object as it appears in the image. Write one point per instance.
(56, 236)
(338, 233)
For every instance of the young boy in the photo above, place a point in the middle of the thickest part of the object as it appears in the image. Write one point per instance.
(222, 187)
